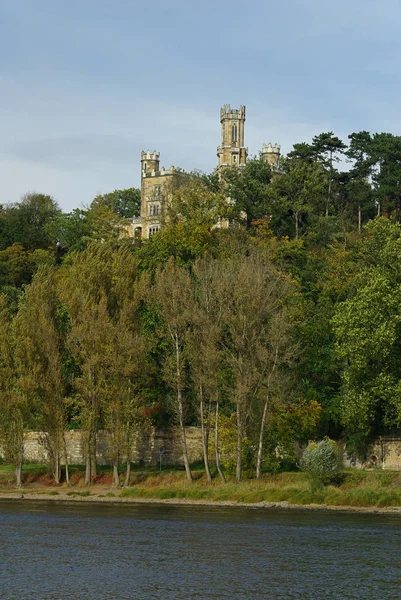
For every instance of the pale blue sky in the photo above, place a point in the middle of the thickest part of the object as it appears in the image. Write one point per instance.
(85, 85)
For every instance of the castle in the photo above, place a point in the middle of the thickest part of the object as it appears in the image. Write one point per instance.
(155, 188)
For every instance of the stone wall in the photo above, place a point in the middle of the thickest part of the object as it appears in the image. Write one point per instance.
(145, 451)
(385, 453)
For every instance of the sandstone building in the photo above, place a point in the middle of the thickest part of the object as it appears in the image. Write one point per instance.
(156, 182)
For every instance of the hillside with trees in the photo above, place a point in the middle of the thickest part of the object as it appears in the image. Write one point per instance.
(283, 328)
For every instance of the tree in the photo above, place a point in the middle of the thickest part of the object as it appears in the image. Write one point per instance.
(125, 203)
(360, 189)
(17, 266)
(72, 231)
(322, 461)
(39, 362)
(248, 190)
(327, 146)
(29, 222)
(249, 291)
(98, 289)
(171, 296)
(367, 328)
(386, 154)
(298, 189)
(278, 352)
(204, 353)
(13, 407)
(123, 408)
(192, 217)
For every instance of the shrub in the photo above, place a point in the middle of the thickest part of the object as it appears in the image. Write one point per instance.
(322, 461)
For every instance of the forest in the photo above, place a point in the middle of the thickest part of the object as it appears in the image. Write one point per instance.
(284, 327)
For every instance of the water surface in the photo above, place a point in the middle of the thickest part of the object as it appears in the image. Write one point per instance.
(52, 551)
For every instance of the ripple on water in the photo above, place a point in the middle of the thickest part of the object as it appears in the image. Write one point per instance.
(87, 552)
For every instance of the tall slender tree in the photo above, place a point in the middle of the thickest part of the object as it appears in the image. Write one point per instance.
(13, 405)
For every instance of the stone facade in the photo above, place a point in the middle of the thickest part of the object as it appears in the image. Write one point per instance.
(232, 150)
(156, 182)
(156, 186)
(385, 453)
(145, 451)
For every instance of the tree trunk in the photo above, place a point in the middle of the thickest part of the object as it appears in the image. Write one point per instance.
(67, 472)
(359, 219)
(216, 445)
(397, 210)
(55, 459)
(116, 477)
(127, 474)
(205, 437)
(329, 192)
(88, 478)
(296, 225)
(94, 456)
(378, 209)
(56, 466)
(181, 413)
(261, 436)
(18, 474)
(238, 471)
(89, 460)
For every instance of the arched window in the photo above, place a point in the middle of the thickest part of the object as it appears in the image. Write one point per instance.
(234, 133)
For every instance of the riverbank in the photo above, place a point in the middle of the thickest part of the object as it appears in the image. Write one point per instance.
(24, 496)
(366, 491)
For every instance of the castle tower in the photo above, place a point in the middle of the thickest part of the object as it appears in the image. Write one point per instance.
(232, 150)
(271, 154)
(150, 163)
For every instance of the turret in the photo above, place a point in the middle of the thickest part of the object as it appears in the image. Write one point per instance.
(232, 150)
(271, 154)
(150, 162)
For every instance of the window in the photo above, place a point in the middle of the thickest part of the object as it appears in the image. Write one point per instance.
(234, 133)
(157, 190)
(235, 158)
(153, 230)
(154, 210)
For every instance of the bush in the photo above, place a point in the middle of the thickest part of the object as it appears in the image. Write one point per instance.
(322, 461)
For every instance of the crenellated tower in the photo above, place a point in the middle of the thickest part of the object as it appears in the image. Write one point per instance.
(271, 154)
(150, 162)
(232, 150)
(155, 192)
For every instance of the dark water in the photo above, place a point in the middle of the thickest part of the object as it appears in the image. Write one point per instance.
(94, 552)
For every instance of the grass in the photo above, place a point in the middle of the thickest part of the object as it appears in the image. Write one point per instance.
(354, 488)
(83, 494)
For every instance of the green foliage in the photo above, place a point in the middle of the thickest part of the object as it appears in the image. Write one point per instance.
(125, 203)
(322, 461)
(29, 222)
(248, 190)
(313, 228)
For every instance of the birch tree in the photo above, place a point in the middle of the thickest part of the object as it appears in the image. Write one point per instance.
(205, 355)
(171, 295)
(249, 290)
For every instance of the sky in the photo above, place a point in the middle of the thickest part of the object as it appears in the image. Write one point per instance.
(85, 85)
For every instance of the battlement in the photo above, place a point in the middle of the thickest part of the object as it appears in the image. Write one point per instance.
(271, 148)
(154, 173)
(226, 112)
(150, 155)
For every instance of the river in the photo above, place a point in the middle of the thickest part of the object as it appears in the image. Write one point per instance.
(51, 551)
